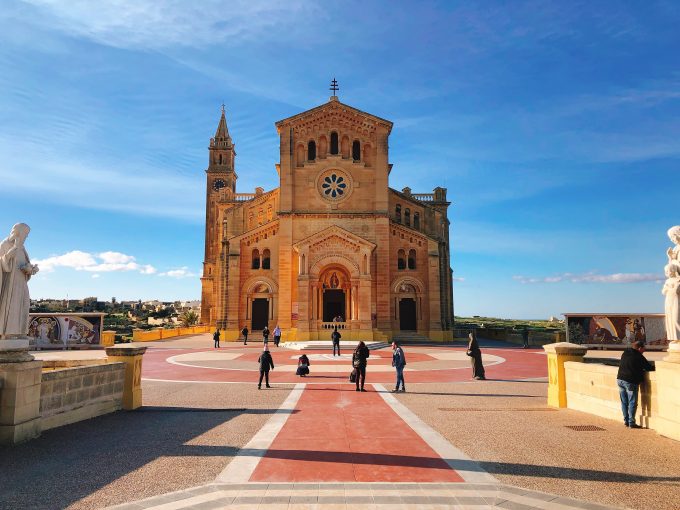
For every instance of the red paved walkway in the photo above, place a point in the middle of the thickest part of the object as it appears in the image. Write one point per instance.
(337, 434)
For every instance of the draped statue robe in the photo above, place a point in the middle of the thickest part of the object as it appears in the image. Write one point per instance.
(15, 302)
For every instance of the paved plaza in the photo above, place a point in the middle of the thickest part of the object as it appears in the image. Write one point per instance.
(208, 438)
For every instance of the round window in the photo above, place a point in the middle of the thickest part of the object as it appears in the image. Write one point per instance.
(334, 185)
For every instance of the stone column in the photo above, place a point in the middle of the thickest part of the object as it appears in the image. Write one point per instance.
(558, 354)
(132, 357)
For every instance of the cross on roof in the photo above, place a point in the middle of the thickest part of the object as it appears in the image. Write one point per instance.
(222, 107)
(334, 86)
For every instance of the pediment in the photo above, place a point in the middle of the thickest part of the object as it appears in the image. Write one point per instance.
(337, 114)
(332, 237)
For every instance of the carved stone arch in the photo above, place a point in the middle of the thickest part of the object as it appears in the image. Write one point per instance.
(251, 284)
(408, 280)
(320, 264)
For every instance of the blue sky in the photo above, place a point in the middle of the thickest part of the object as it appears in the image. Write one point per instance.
(554, 126)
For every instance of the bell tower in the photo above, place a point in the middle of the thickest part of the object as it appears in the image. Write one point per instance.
(220, 187)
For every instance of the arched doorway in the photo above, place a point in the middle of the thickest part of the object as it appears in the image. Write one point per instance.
(260, 306)
(335, 288)
(408, 303)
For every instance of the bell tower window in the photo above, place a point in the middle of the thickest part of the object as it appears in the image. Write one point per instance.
(407, 217)
(412, 259)
(256, 259)
(311, 150)
(334, 143)
(266, 257)
(397, 213)
(416, 221)
(401, 259)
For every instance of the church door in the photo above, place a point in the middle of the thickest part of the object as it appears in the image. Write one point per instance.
(407, 314)
(260, 314)
(333, 304)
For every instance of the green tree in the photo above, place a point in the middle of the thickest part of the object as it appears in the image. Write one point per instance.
(188, 318)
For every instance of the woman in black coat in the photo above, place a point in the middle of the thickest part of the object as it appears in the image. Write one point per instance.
(303, 366)
(475, 357)
(359, 362)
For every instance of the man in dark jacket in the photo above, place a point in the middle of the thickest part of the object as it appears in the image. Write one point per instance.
(335, 337)
(266, 362)
(632, 370)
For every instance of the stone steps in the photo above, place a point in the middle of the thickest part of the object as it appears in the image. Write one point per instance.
(327, 345)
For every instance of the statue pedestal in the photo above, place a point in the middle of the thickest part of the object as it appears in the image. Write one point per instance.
(20, 383)
(14, 350)
(558, 354)
(673, 355)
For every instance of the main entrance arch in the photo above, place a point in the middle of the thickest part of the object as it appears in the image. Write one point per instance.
(335, 287)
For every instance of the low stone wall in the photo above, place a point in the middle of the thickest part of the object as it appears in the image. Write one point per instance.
(73, 394)
(536, 338)
(591, 388)
(150, 335)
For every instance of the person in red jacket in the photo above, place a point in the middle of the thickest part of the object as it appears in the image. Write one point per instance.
(632, 368)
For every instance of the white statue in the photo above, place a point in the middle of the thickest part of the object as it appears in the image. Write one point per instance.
(15, 271)
(671, 288)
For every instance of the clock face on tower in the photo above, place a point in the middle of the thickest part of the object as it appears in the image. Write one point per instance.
(218, 184)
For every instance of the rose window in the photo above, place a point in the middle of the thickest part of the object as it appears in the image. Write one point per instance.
(334, 186)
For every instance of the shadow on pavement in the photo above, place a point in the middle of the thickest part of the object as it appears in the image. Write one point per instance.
(68, 463)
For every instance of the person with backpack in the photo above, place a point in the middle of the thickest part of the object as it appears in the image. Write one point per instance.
(244, 332)
(266, 363)
(335, 337)
(359, 362)
(216, 338)
(398, 362)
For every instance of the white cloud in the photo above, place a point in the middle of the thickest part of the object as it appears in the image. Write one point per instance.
(106, 262)
(458, 279)
(593, 277)
(167, 23)
(182, 272)
(96, 275)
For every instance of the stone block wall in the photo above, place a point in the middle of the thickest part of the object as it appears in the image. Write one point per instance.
(73, 394)
(591, 388)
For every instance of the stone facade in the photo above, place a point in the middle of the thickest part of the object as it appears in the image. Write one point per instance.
(332, 241)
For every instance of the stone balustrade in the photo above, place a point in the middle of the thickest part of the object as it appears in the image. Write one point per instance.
(150, 335)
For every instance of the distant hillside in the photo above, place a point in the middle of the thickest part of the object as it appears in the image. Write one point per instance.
(506, 323)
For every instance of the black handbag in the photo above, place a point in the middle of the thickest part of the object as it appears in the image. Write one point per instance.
(353, 376)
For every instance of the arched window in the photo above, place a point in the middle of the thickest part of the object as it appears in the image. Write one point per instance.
(344, 146)
(220, 159)
(266, 257)
(397, 213)
(334, 143)
(256, 259)
(356, 150)
(401, 259)
(311, 150)
(407, 217)
(416, 220)
(300, 156)
(323, 147)
(412, 259)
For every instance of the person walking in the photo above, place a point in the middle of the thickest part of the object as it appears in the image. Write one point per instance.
(303, 366)
(266, 362)
(216, 338)
(475, 354)
(265, 335)
(277, 335)
(398, 362)
(632, 368)
(244, 332)
(359, 362)
(335, 337)
(525, 337)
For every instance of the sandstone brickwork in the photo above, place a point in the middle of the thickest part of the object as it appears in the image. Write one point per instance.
(333, 241)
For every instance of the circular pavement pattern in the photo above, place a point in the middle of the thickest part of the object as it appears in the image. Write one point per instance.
(238, 363)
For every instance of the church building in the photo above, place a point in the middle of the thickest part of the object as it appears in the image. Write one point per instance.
(333, 245)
